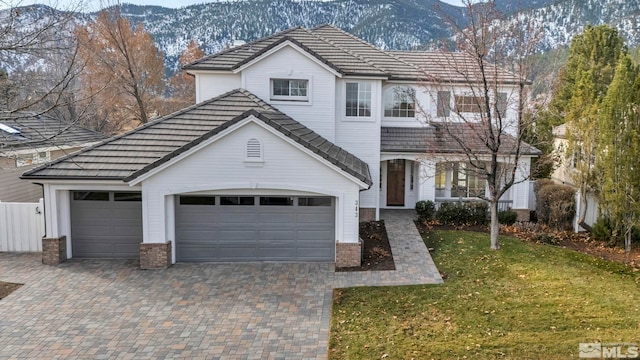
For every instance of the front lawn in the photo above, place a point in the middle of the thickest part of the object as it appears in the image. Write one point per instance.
(525, 301)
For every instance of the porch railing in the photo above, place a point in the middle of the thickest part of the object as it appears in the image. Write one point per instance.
(503, 205)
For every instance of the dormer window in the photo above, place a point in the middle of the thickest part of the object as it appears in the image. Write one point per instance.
(290, 89)
(399, 101)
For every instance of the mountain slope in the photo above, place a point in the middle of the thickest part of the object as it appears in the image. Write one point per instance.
(389, 24)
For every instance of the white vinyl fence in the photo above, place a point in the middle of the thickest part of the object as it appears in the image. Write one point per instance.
(21, 226)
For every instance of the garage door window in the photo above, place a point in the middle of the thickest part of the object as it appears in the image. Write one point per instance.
(276, 200)
(127, 196)
(91, 195)
(314, 201)
(237, 200)
(197, 200)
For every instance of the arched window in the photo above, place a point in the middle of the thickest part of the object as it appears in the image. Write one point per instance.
(254, 150)
(399, 101)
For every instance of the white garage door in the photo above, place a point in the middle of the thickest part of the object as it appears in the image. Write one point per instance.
(255, 228)
(106, 224)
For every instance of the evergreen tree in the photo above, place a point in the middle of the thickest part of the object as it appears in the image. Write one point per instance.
(583, 84)
(618, 155)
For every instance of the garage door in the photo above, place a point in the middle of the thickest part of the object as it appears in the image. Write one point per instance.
(255, 228)
(106, 224)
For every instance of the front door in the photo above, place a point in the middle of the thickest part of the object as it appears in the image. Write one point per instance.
(395, 182)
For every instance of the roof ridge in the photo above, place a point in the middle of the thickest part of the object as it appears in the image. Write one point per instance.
(345, 49)
(247, 45)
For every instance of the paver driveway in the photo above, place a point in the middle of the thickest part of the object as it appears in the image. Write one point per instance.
(111, 309)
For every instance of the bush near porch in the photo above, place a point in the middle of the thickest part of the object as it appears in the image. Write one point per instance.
(526, 301)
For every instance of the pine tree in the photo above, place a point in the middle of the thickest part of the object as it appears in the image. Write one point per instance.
(618, 155)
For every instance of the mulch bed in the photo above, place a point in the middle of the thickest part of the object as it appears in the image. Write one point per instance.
(377, 251)
(7, 288)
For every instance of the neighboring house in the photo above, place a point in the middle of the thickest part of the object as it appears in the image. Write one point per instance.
(563, 174)
(294, 139)
(28, 140)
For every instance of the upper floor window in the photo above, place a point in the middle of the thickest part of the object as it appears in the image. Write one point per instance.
(399, 101)
(358, 99)
(469, 104)
(443, 103)
(501, 103)
(290, 89)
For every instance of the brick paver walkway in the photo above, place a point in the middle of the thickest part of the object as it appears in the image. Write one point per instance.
(99, 309)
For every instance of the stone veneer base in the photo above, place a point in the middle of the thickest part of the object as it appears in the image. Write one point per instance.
(155, 256)
(348, 254)
(54, 250)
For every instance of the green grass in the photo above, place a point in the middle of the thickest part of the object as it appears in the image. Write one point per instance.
(525, 301)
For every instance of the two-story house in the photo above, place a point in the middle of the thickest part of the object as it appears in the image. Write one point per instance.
(294, 139)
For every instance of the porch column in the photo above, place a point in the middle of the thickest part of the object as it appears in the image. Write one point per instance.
(427, 180)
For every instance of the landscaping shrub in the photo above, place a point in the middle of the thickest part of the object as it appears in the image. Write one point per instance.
(601, 230)
(426, 210)
(507, 217)
(457, 213)
(478, 212)
(555, 205)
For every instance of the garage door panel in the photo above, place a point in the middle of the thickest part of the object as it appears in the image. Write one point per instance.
(310, 235)
(105, 229)
(255, 232)
(277, 236)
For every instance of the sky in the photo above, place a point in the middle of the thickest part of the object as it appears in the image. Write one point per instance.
(93, 5)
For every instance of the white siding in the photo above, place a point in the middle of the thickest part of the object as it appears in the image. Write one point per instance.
(288, 63)
(427, 97)
(221, 167)
(361, 137)
(211, 85)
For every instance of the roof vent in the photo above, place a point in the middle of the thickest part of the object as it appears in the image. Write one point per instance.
(254, 150)
(238, 43)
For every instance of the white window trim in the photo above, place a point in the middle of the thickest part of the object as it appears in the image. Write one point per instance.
(384, 102)
(344, 101)
(287, 98)
(290, 75)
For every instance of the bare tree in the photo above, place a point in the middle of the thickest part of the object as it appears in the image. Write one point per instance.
(125, 70)
(38, 55)
(483, 93)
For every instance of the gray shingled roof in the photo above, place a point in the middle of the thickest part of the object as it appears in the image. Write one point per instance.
(127, 156)
(350, 55)
(26, 130)
(439, 140)
(456, 67)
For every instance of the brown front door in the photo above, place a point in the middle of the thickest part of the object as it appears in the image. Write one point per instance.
(395, 183)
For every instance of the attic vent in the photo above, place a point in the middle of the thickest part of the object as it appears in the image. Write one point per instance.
(254, 150)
